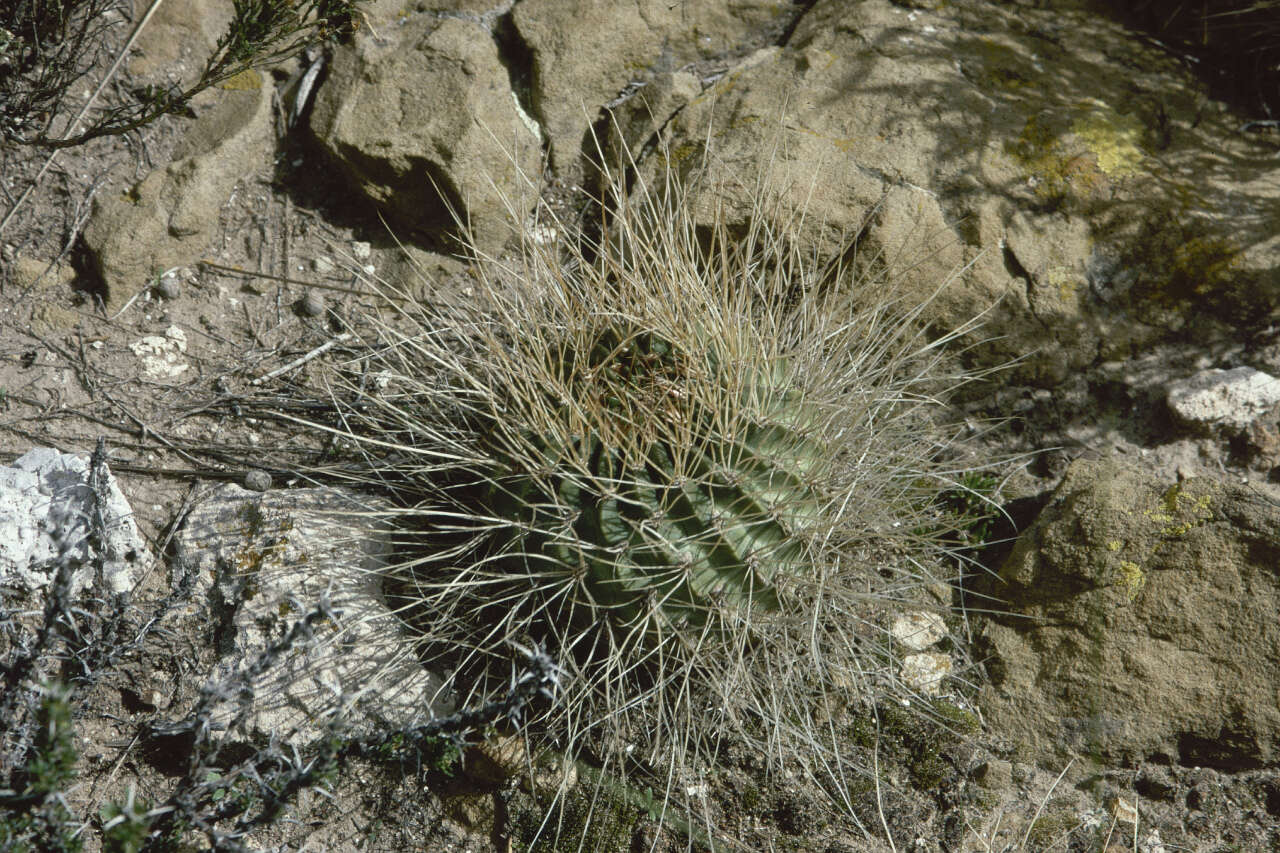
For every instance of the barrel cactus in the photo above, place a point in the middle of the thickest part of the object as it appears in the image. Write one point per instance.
(663, 514)
(691, 464)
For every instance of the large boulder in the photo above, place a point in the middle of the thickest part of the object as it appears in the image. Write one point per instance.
(169, 217)
(1045, 159)
(585, 53)
(422, 119)
(1139, 624)
(262, 561)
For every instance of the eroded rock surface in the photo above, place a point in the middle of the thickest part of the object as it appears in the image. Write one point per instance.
(168, 218)
(586, 52)
(1044, 158)
(1141, 624)
(264, 560)
(422, 118)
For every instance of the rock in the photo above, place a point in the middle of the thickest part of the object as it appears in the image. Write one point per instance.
(168, 287)
(167, 219)
(636, 121)
(585, 52)
(957, 145)
(926, 672)
(177, 40)
(162, 356)
(1224, 398)
(996, 774)
(51, 303)
(1139, 624)
(311, 305)
(918, 630)
(264, 560)
(46, 504)
(1261, 440)
(425, 122)
(257, 480)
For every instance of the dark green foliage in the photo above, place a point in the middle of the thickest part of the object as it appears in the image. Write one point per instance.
(969, 505)
(124, 826)
(34, 814)
(608, 820)
(46, 46)
(916, 742)
(602, 812)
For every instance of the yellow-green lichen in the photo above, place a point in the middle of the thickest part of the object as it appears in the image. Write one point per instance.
(1179, 513)
(1113, 138)
(1078, 155)
(1065, 281)
(246, 81)
(1132, 578)
(1057, 174)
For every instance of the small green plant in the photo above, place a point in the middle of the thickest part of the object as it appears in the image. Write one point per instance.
(969, 504)
(35, 814)
(692, 465)
(124, 825)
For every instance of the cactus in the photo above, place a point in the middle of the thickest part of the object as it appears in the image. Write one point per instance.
(698, 469)
(689, 515)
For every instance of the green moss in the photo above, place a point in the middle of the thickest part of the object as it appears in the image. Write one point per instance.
(914, 741)
(1052, 826)
(584, 818)
(1186, 262)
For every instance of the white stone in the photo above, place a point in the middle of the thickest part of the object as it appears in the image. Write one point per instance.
(918, 630)
(361, 250)
(162, 357)
(1224, 398)
(45, 508)
(264, 560)
(925, 672)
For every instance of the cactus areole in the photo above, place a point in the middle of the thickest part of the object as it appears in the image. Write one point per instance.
(680, 508)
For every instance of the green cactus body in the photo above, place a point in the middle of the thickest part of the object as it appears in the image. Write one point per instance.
(693, 518)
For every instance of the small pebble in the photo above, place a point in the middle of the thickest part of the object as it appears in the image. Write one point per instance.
(362, 251)
(311, 305)
(323, 265)
(168, 288)
(257, 481)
